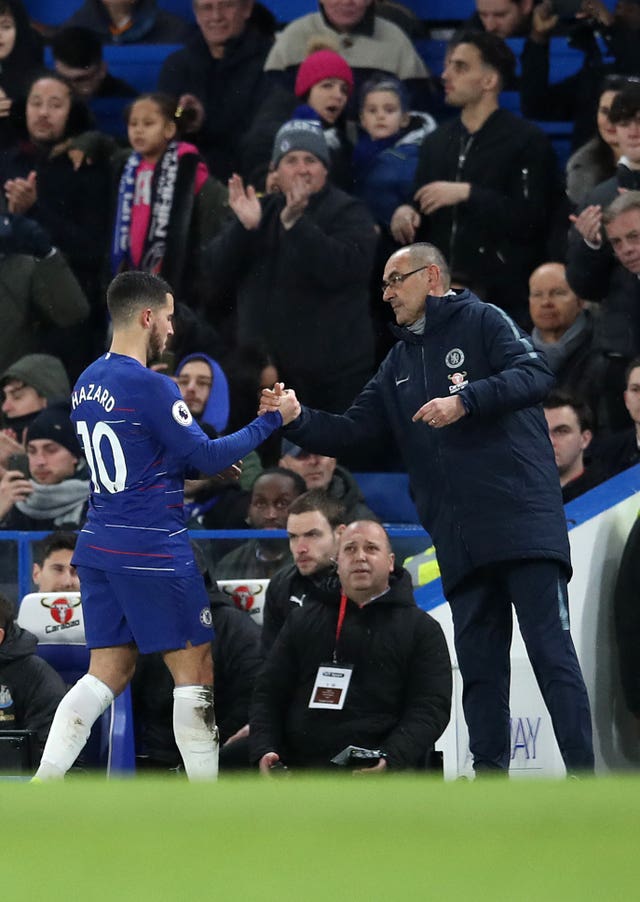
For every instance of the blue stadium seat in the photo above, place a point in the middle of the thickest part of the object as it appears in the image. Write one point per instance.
(139, 64)
(442, 10)
(182, 8)
(111, 744)
(288, 10)
(387, 494)
(51, 12)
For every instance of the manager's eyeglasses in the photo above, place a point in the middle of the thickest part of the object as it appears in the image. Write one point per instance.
(397, 278)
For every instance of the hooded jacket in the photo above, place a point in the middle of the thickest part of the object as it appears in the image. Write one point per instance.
(30, 689)
(216, 410)
(399, 697)
(486, 487)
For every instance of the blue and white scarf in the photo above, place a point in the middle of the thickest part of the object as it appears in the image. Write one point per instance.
(161, 203)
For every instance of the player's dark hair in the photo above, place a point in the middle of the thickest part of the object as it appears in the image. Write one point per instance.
(318, 500)
(132, 291)
(56, 541)
(7, 613)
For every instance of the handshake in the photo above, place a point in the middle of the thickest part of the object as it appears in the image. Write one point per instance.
(282, 399)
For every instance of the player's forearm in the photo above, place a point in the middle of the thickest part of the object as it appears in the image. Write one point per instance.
(217, 454)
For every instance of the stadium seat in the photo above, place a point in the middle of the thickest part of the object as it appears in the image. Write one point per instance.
(51, 12)
(288, 10)
(387, 494)
(56, 620)
(442, 10)
(138, 64)
(182, 8)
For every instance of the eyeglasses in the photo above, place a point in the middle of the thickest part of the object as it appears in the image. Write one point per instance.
(397, 278)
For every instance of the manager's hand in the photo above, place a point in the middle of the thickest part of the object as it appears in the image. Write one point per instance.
(439, 412)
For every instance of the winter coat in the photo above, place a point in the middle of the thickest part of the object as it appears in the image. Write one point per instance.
(30, 689)
(497, 236)
(486, 487)
(36, 293)
(387, 180)
(288, 590)
(399, 697)
(231, 89)
(303, 292)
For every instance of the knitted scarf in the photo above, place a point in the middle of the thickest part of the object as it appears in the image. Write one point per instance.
(61, 503)
(164, 182)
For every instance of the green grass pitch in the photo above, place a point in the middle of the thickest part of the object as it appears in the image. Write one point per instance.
(329, 839)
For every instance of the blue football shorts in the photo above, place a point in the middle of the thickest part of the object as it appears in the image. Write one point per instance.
(158, 613)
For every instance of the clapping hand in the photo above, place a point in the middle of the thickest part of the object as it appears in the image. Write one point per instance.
(297, 199)
(244, 202)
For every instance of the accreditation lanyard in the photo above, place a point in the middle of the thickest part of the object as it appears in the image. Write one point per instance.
(332, 680)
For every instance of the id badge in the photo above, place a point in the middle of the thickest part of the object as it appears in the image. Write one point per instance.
(330, 688)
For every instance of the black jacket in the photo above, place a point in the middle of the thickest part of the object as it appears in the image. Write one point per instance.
(399, 698)
(626, 605)
(288, 590)
(73, 206)
(231, 89)
(596, 274)
(486, 487)
(497, 237)
(304, 292)
(30, 689)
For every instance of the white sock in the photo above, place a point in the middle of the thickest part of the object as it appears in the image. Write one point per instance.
(194, 726)
(77, 712)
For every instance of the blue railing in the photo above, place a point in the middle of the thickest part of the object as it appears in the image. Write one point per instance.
(414, 537)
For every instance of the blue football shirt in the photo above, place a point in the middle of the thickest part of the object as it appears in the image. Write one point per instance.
(139, 439)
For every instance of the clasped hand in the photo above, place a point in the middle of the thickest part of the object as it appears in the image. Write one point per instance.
(279, 398)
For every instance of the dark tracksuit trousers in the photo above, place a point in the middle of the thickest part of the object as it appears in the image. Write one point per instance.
(483, 620)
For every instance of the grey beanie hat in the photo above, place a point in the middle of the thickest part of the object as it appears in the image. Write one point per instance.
(43, 372)
(300, 134)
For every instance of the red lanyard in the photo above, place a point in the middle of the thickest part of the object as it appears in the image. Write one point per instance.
(341, 613)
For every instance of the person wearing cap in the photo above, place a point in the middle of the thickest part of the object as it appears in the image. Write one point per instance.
(325, 473)
(298, 263)
(368, 42)
(28, 386)
(56, 494)
(324, 84)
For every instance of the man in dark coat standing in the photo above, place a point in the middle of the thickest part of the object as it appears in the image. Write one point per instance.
(391, 670)
(299, 263)
(460, 392)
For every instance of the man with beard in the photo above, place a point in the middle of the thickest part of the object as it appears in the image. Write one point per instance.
(140, 586)
(314, 525)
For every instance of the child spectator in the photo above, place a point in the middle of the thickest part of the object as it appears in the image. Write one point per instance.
(168, 205)
(324, 83)
(386, 155)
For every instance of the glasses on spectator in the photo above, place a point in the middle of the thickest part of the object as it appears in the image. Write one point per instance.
(397, 278)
